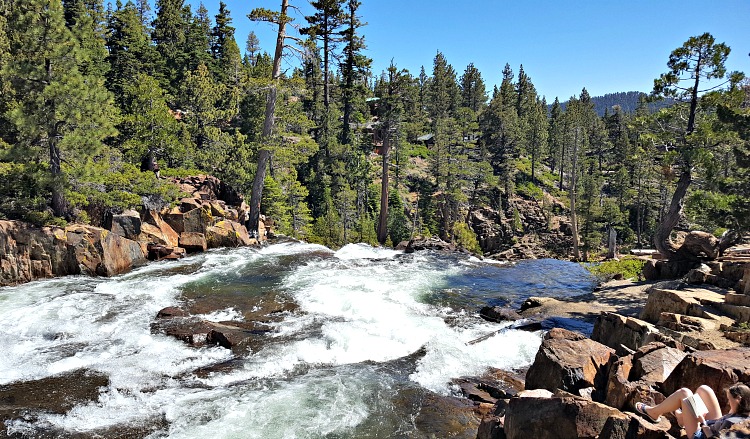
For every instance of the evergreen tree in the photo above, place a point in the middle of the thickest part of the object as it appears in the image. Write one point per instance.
(169, 37)
(556, 140)
(61, 114)
(698, 59)
(252, 47)
(148, 129)
(85, 19)
(354, 67)
(324, 25)
(198, 39)
(130, 51)
(501, 132)
(473, 93)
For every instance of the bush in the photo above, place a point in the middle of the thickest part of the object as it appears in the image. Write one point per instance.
(629, 268)
(530, 190)
(466, 238)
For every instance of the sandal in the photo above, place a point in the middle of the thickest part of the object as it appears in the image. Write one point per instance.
(641, 409)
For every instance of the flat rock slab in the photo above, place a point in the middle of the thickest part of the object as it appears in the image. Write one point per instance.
(689, 302)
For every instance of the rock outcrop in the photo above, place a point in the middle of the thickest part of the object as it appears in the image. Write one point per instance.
(212, 216)
(568, 361)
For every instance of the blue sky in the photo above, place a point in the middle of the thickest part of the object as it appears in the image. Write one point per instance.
(606, 46)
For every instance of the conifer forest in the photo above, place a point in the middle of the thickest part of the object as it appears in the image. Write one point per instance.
(94, 98)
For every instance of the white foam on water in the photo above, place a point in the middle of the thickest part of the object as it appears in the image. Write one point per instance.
(362, 304)
(223, 315)
(318, 404)
(363, 251)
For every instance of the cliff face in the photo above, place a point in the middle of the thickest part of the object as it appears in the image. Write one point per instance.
(212, 216)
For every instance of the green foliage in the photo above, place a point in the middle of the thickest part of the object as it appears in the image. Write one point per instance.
(707, 210)
(628, 267)
(530, 190)
(466, 238)
(119, 188)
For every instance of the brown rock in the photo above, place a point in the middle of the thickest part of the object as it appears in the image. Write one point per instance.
(193, 242)
(557, 417)
(126, 224)
(171, 311)
(498, 314)
(619, 389)
(166, 232)
(700, 245)
(195, 220)
(687, 302)
(617, 427)
(717, 368)
(227, 234)
(119, 255)
(623, 334)
(30, 253)
(654, 362)
(667, 269)
(569, 361)
(188, 204)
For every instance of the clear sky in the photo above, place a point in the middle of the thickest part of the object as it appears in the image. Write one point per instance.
(564, 45)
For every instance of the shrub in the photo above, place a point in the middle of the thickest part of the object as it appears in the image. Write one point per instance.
(629, 268)
(466, 238)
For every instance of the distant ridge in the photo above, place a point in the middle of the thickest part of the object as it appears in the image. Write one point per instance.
(627, 100)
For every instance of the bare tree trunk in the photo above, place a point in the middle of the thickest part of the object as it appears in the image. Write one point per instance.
(383, 220)
(264, 154)
(59, 207)
(662, 239)
(573, 219)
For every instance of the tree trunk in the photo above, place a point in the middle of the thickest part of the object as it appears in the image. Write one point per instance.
(383, 220)
(662, 239)
(59, 207)
(573, 219)
(264, 154)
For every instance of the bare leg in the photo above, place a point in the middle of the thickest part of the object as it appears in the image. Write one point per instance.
(672, 403)
(712, 403)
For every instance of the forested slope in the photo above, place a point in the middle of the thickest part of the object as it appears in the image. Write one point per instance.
(93, 97)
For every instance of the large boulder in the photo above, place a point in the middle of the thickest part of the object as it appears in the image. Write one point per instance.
(126, 224)
(99, 252)
(193, 242)
(193, 221)
(617, 427)
(623, 334)
(162, 232)
(119, 255)
(700, 245)
(228, 234)
(654, 362)
(659, 269)
(689, 302)
(557, 417)
(30, 253)
(716, 368)
(569, 361)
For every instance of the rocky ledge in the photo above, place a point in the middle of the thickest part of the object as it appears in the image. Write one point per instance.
(640, 342)
(211, 216)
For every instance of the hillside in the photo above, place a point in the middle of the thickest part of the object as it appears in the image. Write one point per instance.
(628, 101)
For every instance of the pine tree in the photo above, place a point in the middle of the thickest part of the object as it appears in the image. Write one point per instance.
(324, 25)
(198, 40)
(85, 19)
(130, 51)
(473, 93)
(252, 47)
(699, 58)
(501, 132)
(61, 114)
(354, 67)
(556, 140)
(228, 69)
(169, 37)
(148, 129)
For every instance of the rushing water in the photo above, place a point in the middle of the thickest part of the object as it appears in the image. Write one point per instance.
(327, 369)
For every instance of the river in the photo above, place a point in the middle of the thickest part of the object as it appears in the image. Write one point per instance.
(335, 367)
